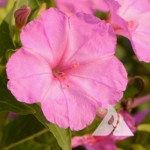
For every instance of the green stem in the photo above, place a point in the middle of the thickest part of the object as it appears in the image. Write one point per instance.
(26, 139)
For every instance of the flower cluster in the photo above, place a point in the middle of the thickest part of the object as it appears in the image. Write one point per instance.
(67, 61)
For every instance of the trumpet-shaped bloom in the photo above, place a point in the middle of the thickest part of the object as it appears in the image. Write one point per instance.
(67, 65)
(86, 6)
(130, 18)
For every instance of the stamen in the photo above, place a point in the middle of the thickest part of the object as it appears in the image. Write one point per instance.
(132, 25)
(74, 64)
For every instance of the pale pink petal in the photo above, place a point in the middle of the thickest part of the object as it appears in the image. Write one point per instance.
(30, 89)
(118, 23)
(87, 6)
(100, 5)
(56, 29)
(77, 141)
(140, 37)
(34, 38)
(133, 7)
(135, 27)
(26, 63)
(98, 40)
(30, 76)
(68, 107)
(98, 143)
(70, 7)
(102, 86)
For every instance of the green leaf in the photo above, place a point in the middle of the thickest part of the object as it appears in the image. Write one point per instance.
(137, 147)
(144, 127)
(26, 132)
(9, 103)
(63, 136)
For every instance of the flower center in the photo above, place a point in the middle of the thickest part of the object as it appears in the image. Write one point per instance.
(63, 76)
(58, 74)
(132, 25)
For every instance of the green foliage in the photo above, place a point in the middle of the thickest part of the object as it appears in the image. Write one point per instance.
(144, 127)
(137, 147)
(35, 135)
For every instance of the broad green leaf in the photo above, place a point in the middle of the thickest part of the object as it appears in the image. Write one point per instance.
(26, 132)
(137, 147)
(144, 127)
(63, 136)
(9, 103)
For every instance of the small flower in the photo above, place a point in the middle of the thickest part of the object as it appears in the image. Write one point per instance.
(68, 65)
(108, 142)
(94, 142)
(3, 3)
(86, 6)
(130, 18)
(21, 16)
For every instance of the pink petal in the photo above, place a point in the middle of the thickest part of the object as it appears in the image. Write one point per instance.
(87, 6)
(70, 107)
(34, 38)
(102, 86)
(25, 63)
(135, 27)
(71, 7)
(118, 23)
(88, 46)
(98, 143)
(30, 89)
(100, 5)
(56, 29)
(133, 7)
(77, 141)
(30, 76)
(140, 37)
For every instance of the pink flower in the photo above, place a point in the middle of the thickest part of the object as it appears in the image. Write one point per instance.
(130, 18)
(67, 65)
(3, 3)
(94, 142)
(86, 6)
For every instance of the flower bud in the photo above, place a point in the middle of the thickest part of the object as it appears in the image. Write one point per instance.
(21, 16)
(2, 3)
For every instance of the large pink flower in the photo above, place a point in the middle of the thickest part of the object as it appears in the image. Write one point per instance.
(130, 18)
(86, 6)
(67, 64)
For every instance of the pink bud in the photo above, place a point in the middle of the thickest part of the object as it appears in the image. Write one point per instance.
(21, 16)
(3, 3)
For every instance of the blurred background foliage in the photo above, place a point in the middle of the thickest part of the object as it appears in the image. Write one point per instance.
(29, 129)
